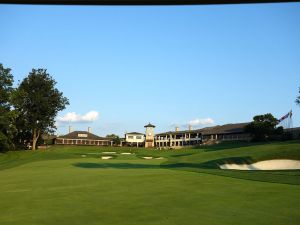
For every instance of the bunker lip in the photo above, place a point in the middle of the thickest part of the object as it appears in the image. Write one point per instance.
(147, 157)
(106, 157)
(151, 157)
(274, 164)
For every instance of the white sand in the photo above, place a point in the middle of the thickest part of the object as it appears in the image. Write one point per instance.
(126, 153)
(109, 152)
(148, 157)
(275, 164)
(106, 157)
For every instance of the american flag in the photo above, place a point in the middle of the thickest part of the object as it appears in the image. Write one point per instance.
(288, 115)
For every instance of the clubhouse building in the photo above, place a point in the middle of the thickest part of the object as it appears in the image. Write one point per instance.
(190, 137)
(227, 132)
(82, 138)
(134, 139)
(169, 140)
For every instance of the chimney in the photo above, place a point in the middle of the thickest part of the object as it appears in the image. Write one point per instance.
(190, 127)
(70, 129)
(176, 129)
(89, 130)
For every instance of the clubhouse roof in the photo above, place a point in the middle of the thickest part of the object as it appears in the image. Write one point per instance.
(219, 129)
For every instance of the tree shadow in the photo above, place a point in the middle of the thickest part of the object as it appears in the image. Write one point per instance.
(115, 166)
(240, 144)
(214, 164)
(228, 145)
(209, 167)
(183, 154)
(87, 165)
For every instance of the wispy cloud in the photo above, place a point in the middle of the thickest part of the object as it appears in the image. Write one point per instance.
(74, 117)
(201, 122)
(195, 123)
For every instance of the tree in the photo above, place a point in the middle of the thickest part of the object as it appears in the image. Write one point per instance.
(38, 102)
(6, 114)
(115, 138)
(298, 98)
(263, 126)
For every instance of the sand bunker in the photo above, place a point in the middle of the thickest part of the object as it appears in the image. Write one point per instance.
(126, 153)
(159, 158)
(106, 157)
(148, 157)
(275, 164)
(109, 152)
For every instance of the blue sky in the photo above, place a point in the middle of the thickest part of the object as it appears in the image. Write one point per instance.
(122, 67)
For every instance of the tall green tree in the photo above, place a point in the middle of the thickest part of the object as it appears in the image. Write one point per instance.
(263, 127)
(115, 138)
(6, 114)
(38, 102)
(298, 98)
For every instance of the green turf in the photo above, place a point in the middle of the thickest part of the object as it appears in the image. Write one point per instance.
(69, 185)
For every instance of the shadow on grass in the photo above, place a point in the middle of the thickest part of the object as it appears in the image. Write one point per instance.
(210, 167)
(115, 166)
(239, 144)
(214, 164)
(184, 154)
(229, 145)
(135, 166)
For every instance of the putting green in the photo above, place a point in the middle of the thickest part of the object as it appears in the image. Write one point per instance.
(59, 186)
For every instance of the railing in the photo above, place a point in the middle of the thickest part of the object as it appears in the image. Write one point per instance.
(179, 139)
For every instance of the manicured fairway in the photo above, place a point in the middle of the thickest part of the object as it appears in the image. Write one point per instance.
(70, 186)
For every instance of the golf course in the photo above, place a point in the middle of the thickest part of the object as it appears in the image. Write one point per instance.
(72, 185)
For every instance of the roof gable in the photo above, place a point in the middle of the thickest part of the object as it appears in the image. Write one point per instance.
(82, 135)
(149, 125)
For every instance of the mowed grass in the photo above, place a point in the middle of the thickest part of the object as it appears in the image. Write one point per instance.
(72, 185)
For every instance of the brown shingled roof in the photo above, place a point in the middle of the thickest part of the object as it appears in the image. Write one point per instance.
(224, 129)
(220, 129)
(90, 136)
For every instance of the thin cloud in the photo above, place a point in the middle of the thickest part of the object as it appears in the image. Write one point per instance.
(76, 118)
(201, 122)
(195, 123)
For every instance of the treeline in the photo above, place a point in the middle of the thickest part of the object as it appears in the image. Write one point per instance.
(28, 110)
(265, 127)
